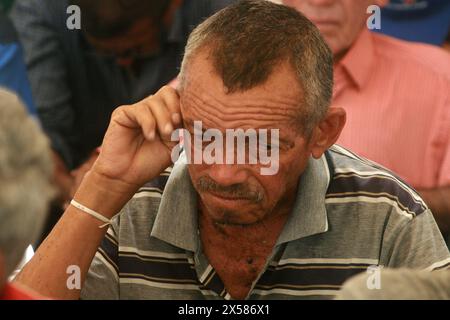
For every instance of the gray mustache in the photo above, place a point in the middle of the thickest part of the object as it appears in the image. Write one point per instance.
(239, 190)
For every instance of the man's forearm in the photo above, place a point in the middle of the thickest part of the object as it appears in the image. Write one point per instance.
(438, 200)
(75, 239)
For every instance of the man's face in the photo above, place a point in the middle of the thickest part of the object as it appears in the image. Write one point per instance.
(339, 21)
(238, 193)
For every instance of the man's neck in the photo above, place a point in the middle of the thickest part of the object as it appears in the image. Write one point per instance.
(264, 232)
(239, 253)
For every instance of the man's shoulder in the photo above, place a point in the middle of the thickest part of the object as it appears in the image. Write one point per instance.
(423, 57)
(356, 179)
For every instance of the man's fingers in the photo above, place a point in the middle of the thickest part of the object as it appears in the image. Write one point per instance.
(146, 120)
(172, 101)
(136, 116)
(162, 116)
(158, 112)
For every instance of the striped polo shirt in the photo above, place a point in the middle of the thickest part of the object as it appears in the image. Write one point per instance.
(349, 214)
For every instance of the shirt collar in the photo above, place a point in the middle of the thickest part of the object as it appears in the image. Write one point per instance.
(309, 215)
(177, 219)
(360, 59)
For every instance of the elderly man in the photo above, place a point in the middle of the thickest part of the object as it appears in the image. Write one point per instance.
(25, 189)
(396, 95)
(217, 230)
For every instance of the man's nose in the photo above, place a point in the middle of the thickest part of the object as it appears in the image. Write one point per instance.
(227, 175)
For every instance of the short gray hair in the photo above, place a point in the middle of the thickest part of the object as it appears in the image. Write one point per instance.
(25, 179)
(249, 38)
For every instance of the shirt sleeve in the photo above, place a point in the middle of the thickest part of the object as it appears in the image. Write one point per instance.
(419, 245)
(47, 71)
(102, 280)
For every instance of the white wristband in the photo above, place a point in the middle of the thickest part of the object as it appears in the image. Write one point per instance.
(92, 213)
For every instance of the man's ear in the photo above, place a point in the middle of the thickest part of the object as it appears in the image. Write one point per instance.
(327, 132)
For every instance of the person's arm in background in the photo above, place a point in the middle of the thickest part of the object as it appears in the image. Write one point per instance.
(136, 148)
(48, 78)
(402, 284)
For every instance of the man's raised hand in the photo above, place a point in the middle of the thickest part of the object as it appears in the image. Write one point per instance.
(137, 145)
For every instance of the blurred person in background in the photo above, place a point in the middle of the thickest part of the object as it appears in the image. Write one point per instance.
(5, 5)
(124, 51)
(396, 95)
(25, 188)
(13, 73)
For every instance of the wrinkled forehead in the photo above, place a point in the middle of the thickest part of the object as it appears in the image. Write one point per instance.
(276, 102)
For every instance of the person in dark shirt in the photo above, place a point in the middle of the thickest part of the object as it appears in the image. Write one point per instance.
(123, 52)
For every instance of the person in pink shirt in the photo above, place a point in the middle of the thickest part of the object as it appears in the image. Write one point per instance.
(397, 98)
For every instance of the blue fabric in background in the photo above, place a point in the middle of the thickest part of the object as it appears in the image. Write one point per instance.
(13, 74)
(426, 21)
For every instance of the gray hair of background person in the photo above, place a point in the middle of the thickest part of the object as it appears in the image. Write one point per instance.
(249, 39)
(25, 179)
